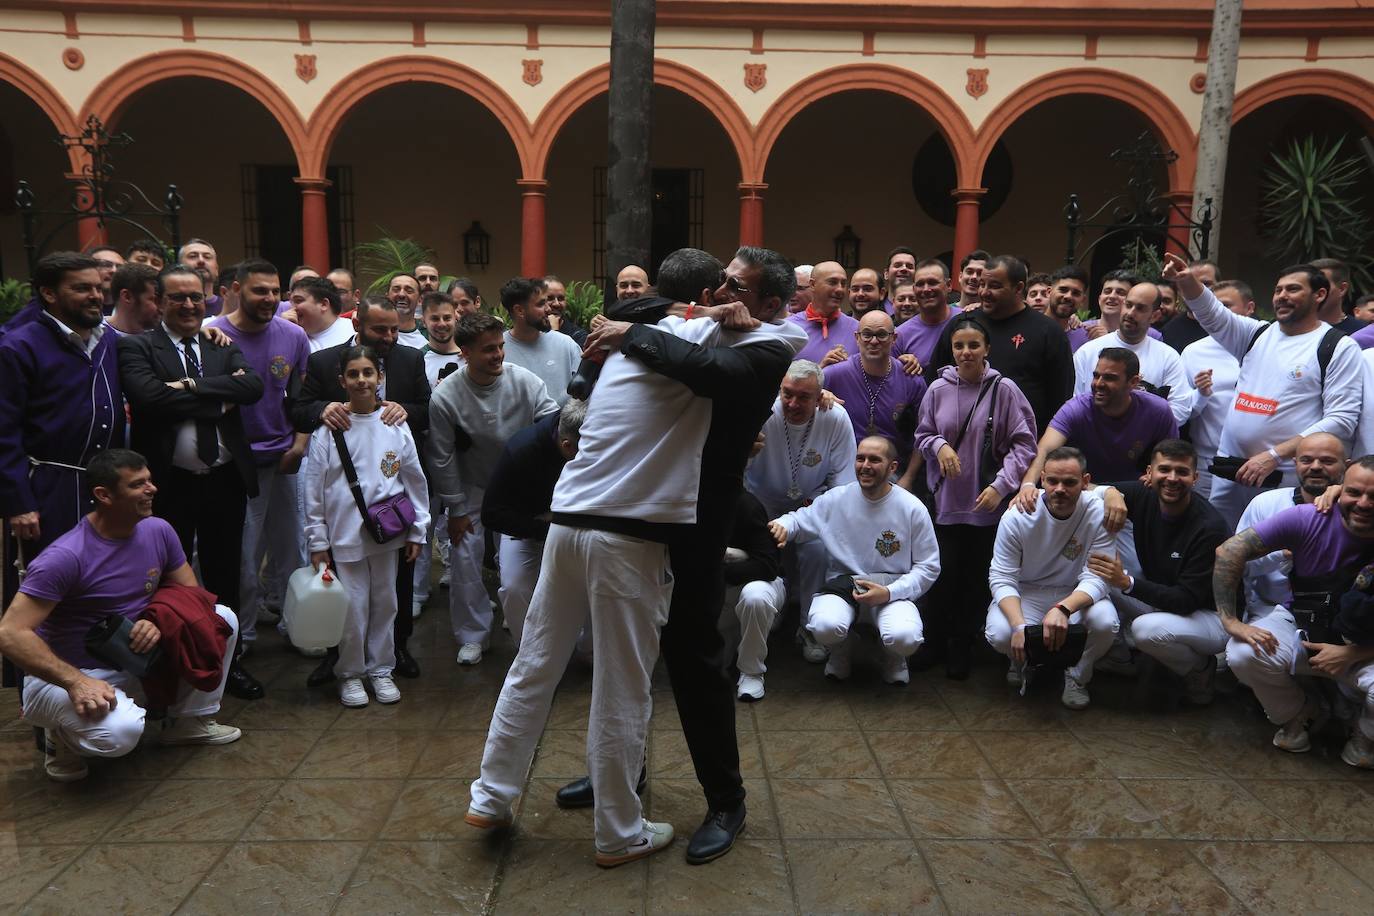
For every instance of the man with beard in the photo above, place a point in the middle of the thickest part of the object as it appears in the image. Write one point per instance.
(427, 278)
(200, 256)
(552, 357)
(1297, 377)
(1068, 292)
(108, 260)
(865, 292)
(971, 278)
(1161, 368)
(824, 319)
(556, 295)
(919, 335)
(404, 294)
(277, 351)
(405, 399)
(1162, 582)
(1333, 309)
(1307, 637)
(134, 290)
(901, 268)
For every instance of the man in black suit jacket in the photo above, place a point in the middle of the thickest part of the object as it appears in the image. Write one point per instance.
(405, 397)
(184, 392)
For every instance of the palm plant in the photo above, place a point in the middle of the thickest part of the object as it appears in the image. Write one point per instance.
(387, 256)
(1313, 206)
(13, 295)
(584, 300)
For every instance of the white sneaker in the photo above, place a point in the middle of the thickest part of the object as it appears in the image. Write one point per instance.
(1292, 735)
(470, 653)
(837, 667)
(1016, 675)
(384, 688)
(750, 688)
(417, 605)
(1359, 751)
(487, 820)
(895, 670)
(198, 730)
(61, 763)
(352, 693)
(652, 837)
(1075, 695)
(812, 651)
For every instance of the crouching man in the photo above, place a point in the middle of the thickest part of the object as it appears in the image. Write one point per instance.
(883, 556)
(112, 562)
(1040, 576)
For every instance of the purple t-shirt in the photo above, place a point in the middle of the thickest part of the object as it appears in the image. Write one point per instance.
(276, 352)
(893, 396)
(838, 332)
(1321, 544)
(91, 577)
(1364, 337)
(1116, 447)
(1077, 338)
(918, 338)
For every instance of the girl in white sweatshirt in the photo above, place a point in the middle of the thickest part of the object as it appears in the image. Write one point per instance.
(387, 463)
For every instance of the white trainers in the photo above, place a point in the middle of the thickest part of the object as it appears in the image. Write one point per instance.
(812, 651)
(837, 666)
(1359, 751)
(352, 693)
(1292, 735)
(417, 605)
(1075, 695)
(198, 730)
(1015, 675)
(384, 689)
(486, 820)
(470, 653)
(1200, 686)
(750, 688)
(61, 763)
(894, 669)
(652, 837)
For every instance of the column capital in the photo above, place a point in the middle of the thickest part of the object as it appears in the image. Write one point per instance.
(968, 195)
(313, 185)
(532, 185)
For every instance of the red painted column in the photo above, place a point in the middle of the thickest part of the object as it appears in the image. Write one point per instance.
(533, 237)
(314, 223)
(751, 213)
(965, 221)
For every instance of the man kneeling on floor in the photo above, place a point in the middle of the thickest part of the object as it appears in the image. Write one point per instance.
(883, 556)
(112, 563)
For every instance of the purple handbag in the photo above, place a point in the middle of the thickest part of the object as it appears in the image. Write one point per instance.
(385, 519)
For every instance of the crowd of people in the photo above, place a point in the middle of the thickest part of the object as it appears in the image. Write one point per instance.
(1172, 487)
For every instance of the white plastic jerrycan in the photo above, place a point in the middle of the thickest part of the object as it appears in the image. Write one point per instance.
(316, 607)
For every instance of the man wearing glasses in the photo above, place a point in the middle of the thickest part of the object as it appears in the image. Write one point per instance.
(880, 398)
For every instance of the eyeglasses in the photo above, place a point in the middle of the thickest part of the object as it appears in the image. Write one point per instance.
(879, 336)
(733, 284)
(183, 298)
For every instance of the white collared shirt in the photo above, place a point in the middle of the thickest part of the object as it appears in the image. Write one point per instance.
(86, 346)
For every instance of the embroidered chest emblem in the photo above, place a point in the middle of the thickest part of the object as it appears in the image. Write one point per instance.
(812, 458)
(1072, 550)
(279, 367)
(151, 579)
(391, 465)
(1295, 373)
(888, 544)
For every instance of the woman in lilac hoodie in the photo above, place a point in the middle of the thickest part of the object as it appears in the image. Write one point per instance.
(970, 404)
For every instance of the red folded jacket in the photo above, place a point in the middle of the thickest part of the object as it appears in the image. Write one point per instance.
(193, 641)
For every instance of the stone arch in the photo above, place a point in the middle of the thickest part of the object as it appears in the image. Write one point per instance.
(952, 123)
(113, 94)
(1346, 88)
(353, 88)
(42, 94)
(668, 73)
(1159, 112)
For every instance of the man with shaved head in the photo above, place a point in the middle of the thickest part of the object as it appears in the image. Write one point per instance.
(824, 320)
(631, 282)
(880, 398)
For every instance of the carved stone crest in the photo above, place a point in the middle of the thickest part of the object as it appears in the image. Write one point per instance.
(755, 76)
(534, 72)
(977, 85)
(305, 67)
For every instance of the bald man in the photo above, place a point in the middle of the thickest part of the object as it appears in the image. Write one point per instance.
(824, 320)
(631, 282)
(880, 398)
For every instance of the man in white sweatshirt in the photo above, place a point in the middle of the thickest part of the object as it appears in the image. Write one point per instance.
(881, 536)
(471, 417)
(1039, 575)
(1297, 377)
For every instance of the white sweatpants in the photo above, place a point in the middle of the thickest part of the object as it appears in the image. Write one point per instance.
(756, 606)
(520, 561)
(118, 731)
(271, 529)
(368, 645)
(1100, 619)
(438, 529)
(468, 605)
(1182, 643)
(899, 624)
(1274, 678)
(625, 584)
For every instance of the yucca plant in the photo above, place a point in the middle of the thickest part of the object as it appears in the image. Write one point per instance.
(1143, 259)
(13, 296)
(1312, 206)
(585, 299)
(387, 256)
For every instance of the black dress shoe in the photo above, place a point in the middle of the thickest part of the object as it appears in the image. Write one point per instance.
(958, 660)
(715, 836)
(406, 665)
(323, 673)
(578, 793)
(241, 684)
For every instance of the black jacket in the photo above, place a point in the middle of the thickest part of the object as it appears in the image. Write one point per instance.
(750, 533)
(1176, 555)
(405, 383)
(520, 491)
(148, 361)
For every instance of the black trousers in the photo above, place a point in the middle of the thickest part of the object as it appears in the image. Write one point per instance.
(696, 658)
(958, 605)
(208, 510)
(405, 594)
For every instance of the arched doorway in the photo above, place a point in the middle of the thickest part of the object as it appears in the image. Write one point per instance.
(29, 151)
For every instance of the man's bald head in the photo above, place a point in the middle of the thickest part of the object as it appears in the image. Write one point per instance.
(879, 444)
(631, 282)
(874, 320)
(829, 287)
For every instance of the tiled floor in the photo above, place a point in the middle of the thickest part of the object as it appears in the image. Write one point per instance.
(939, 796)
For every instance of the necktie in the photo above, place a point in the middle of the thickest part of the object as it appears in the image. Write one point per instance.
(207, 440)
